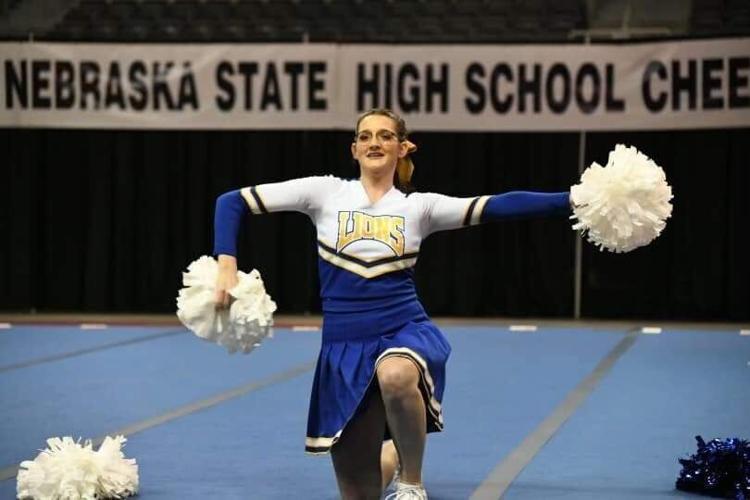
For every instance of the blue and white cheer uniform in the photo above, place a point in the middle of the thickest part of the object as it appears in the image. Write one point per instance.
(367, 253)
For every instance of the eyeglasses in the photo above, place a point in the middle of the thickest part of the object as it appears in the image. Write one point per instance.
(383, 135)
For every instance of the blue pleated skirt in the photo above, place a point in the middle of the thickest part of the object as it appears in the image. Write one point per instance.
(353, 344)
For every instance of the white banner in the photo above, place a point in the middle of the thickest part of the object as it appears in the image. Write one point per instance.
(666, 85)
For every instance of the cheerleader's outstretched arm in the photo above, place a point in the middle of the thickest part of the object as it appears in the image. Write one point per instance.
(446, 212)
(525, 204)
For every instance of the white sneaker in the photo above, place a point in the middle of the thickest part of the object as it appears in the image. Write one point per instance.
(408, 492)
(395, 479)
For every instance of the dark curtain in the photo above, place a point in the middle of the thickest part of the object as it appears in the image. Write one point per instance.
(107, 220)
(699, 268)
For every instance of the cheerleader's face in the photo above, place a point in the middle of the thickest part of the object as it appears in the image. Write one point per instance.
(376, 146)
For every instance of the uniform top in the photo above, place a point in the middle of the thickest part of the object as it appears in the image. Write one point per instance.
(367, 250)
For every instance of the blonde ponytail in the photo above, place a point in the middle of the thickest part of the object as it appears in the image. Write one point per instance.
(405, 166)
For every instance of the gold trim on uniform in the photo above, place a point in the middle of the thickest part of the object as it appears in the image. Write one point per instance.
(364, 271)
(478, 209)
(312, 443)
(250, 200)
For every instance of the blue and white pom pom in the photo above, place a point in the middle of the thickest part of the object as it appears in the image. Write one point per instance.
(720, 468)
(623, 205)
(69, 470)
(240, 328)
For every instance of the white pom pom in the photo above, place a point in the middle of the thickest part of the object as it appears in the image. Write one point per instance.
(67, 470)
(118, 476)
(195, 303)
(624, 205)
(251, 314)
(240, 328)
(64, 470)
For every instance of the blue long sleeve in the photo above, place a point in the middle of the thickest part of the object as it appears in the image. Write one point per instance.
(525, 203)
(230, 209)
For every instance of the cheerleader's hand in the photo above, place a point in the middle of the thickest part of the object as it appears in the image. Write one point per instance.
(225, 280)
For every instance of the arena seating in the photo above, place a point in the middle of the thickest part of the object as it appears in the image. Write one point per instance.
(403, 21)
(321, 20)
(730, 17)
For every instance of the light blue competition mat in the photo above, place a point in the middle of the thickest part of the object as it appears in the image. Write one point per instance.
(554, 413)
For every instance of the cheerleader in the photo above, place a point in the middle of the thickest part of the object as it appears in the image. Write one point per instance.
(380, 376)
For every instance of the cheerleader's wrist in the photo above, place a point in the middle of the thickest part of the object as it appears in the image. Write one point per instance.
(227, 262)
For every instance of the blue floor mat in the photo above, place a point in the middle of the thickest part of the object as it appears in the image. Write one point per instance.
(501, 385)
(625, 440)
(22, 344)
(96, 393)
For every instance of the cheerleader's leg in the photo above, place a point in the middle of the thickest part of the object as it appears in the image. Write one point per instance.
(356, 455)
(398, 378)
(388, 462)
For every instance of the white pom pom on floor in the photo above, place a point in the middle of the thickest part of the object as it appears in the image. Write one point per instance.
(67, 470)
(118, 476)
(623, 205)
(240, 328)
